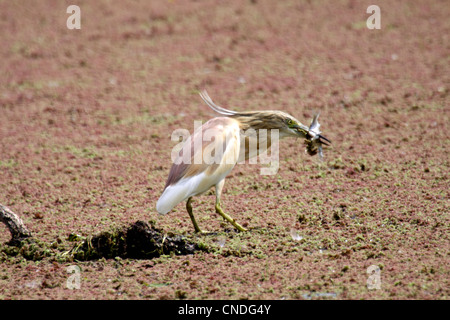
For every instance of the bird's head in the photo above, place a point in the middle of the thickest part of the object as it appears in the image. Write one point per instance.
(295, 128)
(290, 126)
(287, 125)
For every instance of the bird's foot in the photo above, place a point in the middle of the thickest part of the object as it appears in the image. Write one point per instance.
(229, 219)
(239, 227)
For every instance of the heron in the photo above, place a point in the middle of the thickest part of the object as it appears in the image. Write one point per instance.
(226, 139)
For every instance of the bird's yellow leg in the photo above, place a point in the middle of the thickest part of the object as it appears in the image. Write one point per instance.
(194, 222)
(219, 210)
(228, 218)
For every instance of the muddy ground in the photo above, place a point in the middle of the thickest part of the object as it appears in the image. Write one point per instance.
(85, 141)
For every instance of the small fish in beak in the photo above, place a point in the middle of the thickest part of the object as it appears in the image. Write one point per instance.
(314, 140)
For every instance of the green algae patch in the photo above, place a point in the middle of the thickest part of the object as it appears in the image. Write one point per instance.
(30, 249)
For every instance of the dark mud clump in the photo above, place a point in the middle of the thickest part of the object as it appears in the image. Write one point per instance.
(138, 241)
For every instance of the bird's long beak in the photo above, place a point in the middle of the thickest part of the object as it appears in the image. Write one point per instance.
(301, 130)
(310, 134)
(323, 140)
